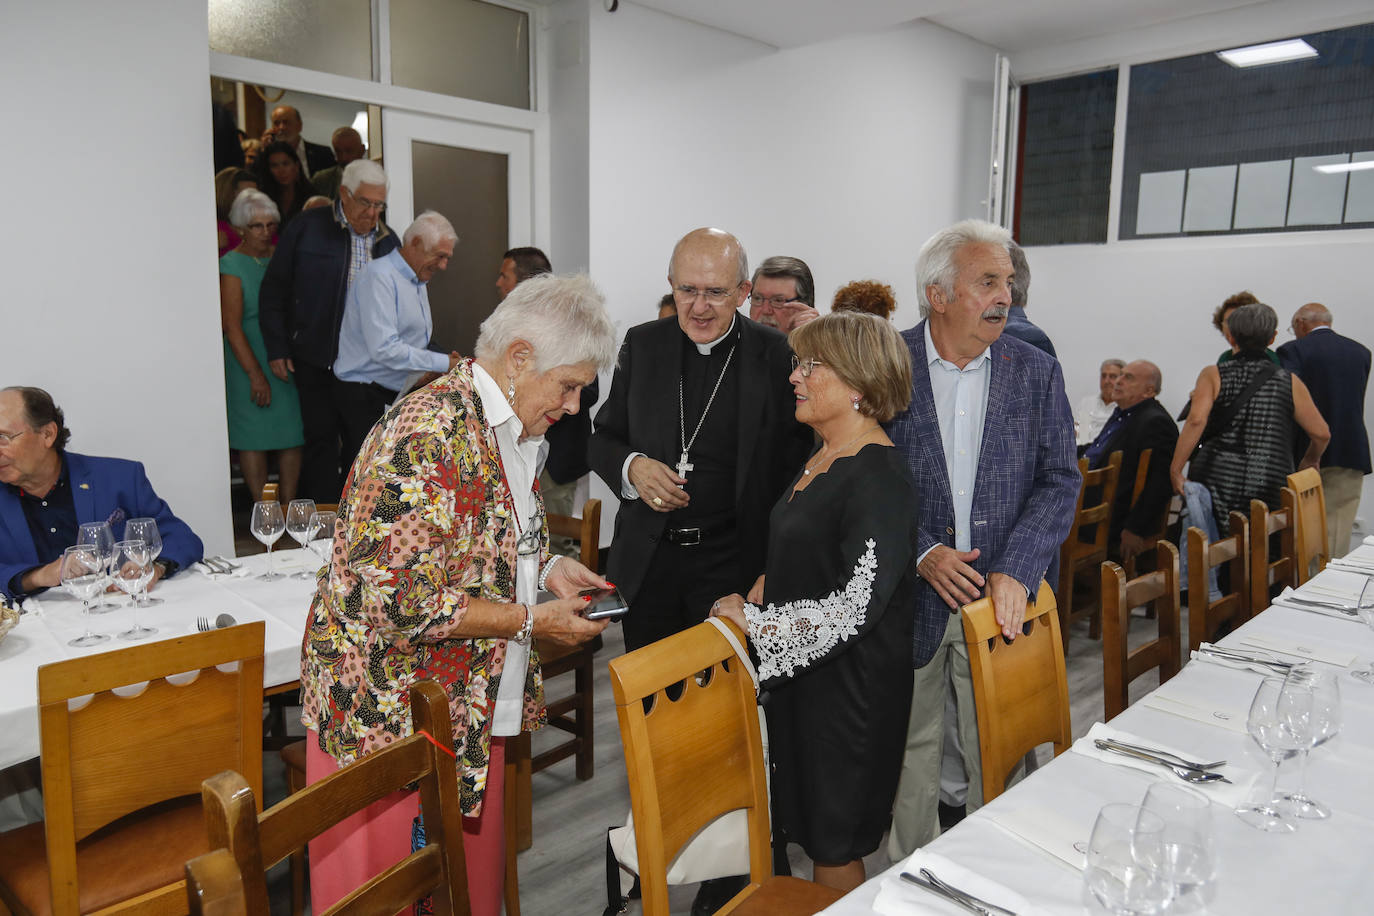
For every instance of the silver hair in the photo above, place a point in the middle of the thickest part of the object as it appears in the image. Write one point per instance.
(742, 259)
(1118, 363)
(1316, 313)
(1021, 276)
(1252, 326)
(935, 263)
(363, 171)
(562, 317)
(794, 269)
(432, 228)
(248, 204)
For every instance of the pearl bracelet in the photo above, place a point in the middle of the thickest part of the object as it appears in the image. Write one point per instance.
(526, 630)
(544, 573)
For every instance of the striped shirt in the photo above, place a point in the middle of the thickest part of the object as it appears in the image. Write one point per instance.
(359, 246)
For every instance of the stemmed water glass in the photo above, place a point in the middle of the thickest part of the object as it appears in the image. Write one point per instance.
(298, 515)
(145, 530)
(1189, 844)
(322, 533)
(1326, 724)
(1125, 870)
(133, 570)
(1280, 721)
(267, 525)
(98, 535)
(82, 572)
(1365, 607)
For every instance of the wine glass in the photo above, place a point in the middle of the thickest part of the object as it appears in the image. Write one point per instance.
(298, 515)
(145, 530)
(267, 525)
(99, 536)
(82, 572)
(1326, 724)
(1365, 607)
(1189, 844)
(1280, 721)
(1125, 873)
(133, 570)
(322, 533)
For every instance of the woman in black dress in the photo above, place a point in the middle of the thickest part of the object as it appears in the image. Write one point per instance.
(831, 617)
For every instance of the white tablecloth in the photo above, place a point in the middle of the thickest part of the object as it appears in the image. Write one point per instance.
(1324, 867)
(41, 636)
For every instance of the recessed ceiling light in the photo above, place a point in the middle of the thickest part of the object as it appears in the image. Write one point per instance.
(1338, 167)
(1275, 52)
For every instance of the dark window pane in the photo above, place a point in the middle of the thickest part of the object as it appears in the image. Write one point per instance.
(1066, 159)
(1276, 123)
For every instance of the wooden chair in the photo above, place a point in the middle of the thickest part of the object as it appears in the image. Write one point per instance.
(214, 886)
(258, 841)
(1264, 525)
(1206, 616)
(1076, 554)
(1309, 537)
(695, 757)
(1020, 689)
(122, 772)
(1155, 532)
(1158, 590)
(269, 492)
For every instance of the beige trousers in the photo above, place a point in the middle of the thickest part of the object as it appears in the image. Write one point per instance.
(1341, 489)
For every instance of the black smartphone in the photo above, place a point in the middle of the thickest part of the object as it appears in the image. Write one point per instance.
(606, 604)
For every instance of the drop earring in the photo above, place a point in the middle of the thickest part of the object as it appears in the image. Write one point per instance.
(510, 391)
(855, 402)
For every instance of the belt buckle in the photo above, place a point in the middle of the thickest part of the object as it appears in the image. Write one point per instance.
(688, 537)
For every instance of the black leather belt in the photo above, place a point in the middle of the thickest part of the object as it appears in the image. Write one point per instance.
(690, 537)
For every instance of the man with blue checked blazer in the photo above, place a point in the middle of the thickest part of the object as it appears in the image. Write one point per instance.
(990, 440)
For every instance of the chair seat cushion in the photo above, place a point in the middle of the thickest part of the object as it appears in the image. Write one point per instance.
(786, 896)
(136, 854)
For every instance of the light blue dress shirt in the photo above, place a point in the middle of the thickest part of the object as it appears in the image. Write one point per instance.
(961, 404)
(387, 326)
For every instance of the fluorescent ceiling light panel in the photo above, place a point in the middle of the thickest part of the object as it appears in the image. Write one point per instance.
(1275, 52)
(1339, 167)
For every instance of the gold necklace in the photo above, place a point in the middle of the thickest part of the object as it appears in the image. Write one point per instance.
(806, 471)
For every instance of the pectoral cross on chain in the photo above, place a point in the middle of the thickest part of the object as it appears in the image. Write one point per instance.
(683, 466)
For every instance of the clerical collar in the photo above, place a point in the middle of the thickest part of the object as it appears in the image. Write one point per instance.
(705, 349)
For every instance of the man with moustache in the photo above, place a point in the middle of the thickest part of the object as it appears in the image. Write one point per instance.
(783, 295)
(989, 438)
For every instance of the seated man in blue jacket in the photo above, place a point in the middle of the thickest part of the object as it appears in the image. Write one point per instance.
(46, 492)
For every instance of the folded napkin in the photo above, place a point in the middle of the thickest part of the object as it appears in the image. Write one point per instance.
(1276, 644)
(1218, 714)
(1224, 662)
(1312, 608)
(902, 898)
(32, 606)
(1221, 793)
(1042, 828)
(243, 572)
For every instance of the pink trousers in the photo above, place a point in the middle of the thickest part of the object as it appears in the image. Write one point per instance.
(372, 840)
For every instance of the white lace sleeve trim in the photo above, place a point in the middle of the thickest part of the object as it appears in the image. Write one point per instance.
(793, 635)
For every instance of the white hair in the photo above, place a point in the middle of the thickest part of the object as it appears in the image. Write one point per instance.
(432, 228)
(363, 171)
(562, 317)
(935, 263)
(249, 203)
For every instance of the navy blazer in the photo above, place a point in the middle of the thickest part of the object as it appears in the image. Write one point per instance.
(1027, 480)
(1022, 328)
(100, 486)
(1336, 370)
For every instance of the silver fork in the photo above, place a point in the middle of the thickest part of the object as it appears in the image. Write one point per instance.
(1188, 774)
(226, 564)
(203, 625)
(1190, 764)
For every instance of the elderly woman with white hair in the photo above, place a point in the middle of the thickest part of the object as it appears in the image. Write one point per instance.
(264, 411)
(439, 552)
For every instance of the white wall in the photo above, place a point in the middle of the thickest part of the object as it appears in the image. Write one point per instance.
(566, 53)
(110, 297)
(847, 154)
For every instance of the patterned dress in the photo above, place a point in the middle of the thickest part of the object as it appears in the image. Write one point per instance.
(834, 642)
(425, 525)
(1253, 456)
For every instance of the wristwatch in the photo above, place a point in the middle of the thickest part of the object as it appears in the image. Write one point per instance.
(168, 567)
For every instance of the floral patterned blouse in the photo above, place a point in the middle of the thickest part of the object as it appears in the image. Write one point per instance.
(425, 526)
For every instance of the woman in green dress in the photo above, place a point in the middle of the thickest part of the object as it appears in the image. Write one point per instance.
(264, 411)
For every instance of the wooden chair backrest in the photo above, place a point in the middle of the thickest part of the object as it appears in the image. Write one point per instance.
(118, 754)
(214, 885)
(1205, 616)
(1309, 537)
(1104, 480)
(259, 841)
(1264, 572)
(694, 755)
(1020, 690)
(269, 492)
(1157, 589)
(585, 530)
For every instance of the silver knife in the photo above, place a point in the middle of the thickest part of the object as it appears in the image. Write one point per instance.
(1192, 765)
(976, 901)
(1238, 656)
(947, 895)
(1348, 609)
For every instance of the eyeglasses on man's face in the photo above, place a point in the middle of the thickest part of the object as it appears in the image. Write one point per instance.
(714, 295)
(7, 438)
(773, 302)
(805, 365)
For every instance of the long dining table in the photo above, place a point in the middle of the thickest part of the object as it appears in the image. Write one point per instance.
(1027, 844)
(53, 618)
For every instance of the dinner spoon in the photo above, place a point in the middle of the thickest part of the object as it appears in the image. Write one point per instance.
(1187, 774)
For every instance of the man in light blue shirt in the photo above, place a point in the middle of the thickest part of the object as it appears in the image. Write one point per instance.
(384, 338)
